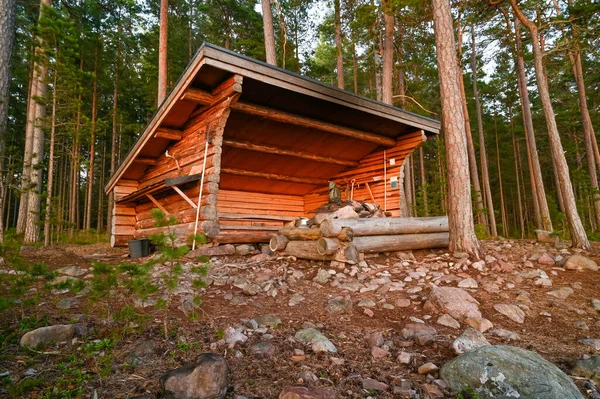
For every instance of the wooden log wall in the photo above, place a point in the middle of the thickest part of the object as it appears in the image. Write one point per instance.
(255, 217)
(370, 177)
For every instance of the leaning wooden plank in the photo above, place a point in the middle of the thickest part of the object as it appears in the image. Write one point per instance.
(304, 250)
(404, 242)
(385, 226)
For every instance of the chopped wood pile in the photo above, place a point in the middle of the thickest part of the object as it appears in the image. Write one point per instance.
(344, 231)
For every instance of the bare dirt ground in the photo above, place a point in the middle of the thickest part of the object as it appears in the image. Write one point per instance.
(124, 353)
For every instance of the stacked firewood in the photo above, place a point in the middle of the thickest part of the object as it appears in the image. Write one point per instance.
(342, 234)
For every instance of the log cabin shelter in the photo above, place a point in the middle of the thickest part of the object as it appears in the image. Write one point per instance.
(267, 142)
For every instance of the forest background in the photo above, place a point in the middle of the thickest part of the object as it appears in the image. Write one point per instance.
(101, 61)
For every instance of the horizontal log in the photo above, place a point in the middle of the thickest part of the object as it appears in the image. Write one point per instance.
(198, 96)
(246, 145)
(285, 117)
(278, 243)
(169, 134)
(240, 237)
(327, 246)
(244, 227)
(385, 226)
(404, 242)
(300, 234)
(146, 161)
(304, 250)
(233, 216)
(119, 241)
(272, 176)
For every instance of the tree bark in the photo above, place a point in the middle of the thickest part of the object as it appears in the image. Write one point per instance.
(7, 39)
(162, 51)
(338, 44)
(460, 211)
(50, 184)
(423, 181)
(578, 235)
(92, 159)
(113, 147)
(388, 53)
(485, 176)
(269, 33)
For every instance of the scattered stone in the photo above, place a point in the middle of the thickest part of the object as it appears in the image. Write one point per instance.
(263, 349)
(546, 259)
(64, 303)
(454, 301)
(467, 283)
(306, 393)
(339, 304)
(140, 352)
(295, 300)
(581, 325)
(336, 361)
(542, 282)
(313, 337)
(368, 312)
(505, 334)
(561, 293)
(48, 335)
(268, 320)
(404, 357)
(448, 321)
(508, 372)
(432, 391)
(513, 312)
(427, 368)
(412, 331)
(373, 385)
(470, 339)
(232, 337)
(402, 302)
(206, 378)
(375, 339)
(588, 368)
(580, 262)
(594, 343)
(220, 250)
(322, 276)
(596, 304)
(479, 323)
(545, 237)
(71, 271)
(367, 303)
(307, 377)
(379, 353)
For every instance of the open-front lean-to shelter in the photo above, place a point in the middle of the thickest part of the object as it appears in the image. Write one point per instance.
(272, 140)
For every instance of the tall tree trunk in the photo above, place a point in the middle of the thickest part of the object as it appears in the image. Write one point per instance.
(50, 184)
(91, 169)
(517, 156)
(423, 181)
(460, 215)
(338, 44)
(269, 33)
(354, 67)
(162, 51)
(73, 215)
(481, 218)
(388, 53)
(485, 176)
(7, 38)
(502, 204)
(578, 234)
(100, 216)
(113, 147)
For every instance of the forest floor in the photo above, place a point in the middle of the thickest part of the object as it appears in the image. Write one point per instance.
(124, 352)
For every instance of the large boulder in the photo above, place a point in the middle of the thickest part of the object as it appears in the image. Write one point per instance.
(205, 378)
(454, 301)
(580, 262)
(48, 335)
(506, 372)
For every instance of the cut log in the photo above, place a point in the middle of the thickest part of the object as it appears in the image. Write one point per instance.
(278, 243)
(242, 236)
(300, 234)
(404, 242)
(304, 250)
(346, 234)
(385, 226)
(119, 241)
(327, 246)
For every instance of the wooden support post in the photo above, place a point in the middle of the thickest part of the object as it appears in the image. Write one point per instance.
(370, 192)
(158, 204)
(185, 197)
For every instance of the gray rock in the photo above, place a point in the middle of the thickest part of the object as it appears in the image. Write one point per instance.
(594, 343)
(412, 331)
(546, 259)
(141, 351)
(367, 303)
(467, 283)
(596, 304)
(71, 271)
(322, 276)
(580, 263)
(561, 293)
(306, 393)
(263, 349)
(232, 337)
(205, 378)
(454, 301)
(588, 368)
(64, 303)
(448, 321)
(268, 320)
(467, 341)
(243, 250)
(308, 377)
(373, 385)
(479, 323)
(220, 250)
(505, 334)
(295, 299)
(48, 335)
(504, 372)
(375, 339)
(513, 312)
(339, 304)
(318, 342)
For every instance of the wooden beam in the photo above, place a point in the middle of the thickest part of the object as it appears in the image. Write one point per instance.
(175, 181)
(158, 205)
(246, 145)
(185, 197)
(255, 216)
(198, 96)
(169, 134)
(145, 161)
(285, 117)
(272, 176)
